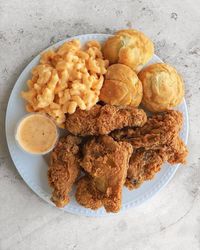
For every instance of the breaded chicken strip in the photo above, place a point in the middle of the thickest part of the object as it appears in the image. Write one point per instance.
(106, 161)
(154, 143)
(159, 130)
(101, 120)
(64, 168)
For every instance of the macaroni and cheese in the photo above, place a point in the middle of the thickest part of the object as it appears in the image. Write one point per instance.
(66, 79)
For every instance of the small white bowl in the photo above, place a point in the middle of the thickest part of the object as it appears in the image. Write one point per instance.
(20, 144)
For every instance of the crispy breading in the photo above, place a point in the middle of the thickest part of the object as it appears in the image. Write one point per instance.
(143, 166)
(101, 120)
(154, 143)
(157, 131)
(177, 152)
(87, 195)
(106, 161)
(64, 168)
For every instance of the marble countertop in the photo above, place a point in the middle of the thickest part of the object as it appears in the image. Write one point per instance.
(171, 220)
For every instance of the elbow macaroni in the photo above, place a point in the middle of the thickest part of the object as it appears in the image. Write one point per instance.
(66, 79)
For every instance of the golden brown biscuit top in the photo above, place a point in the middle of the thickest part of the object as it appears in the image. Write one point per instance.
(129, 47)
(121, 87)
(163, 87)
(121, 72)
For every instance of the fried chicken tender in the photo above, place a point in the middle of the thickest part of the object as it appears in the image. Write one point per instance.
(156, 132)
(106, 161)
(64, 168)
(101, 120)
(154, 143)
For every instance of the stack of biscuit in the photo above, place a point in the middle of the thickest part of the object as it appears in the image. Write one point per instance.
(159, 87)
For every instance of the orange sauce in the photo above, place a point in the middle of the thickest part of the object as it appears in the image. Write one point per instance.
(37, 134)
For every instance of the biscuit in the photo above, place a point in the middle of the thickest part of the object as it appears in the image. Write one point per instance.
(121, 86)
(163, 87)
(129, 47)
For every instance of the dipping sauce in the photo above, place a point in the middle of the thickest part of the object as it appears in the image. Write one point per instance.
(37, 134)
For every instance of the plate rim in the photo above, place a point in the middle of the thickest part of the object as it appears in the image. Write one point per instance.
(72, 209)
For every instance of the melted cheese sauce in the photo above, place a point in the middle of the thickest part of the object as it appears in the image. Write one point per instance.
(37, 134)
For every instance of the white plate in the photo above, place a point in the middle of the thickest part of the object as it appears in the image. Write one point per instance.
(33, 169)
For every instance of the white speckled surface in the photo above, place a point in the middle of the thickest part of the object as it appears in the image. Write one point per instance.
(171, 220)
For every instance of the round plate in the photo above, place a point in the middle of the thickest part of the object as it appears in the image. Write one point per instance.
(33, 169)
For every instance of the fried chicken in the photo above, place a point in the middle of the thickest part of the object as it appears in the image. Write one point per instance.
(106, 161)
(101, 120)
(64, 168)
(154, 143)
(144, 164)
(156, 132)
(133, 153)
